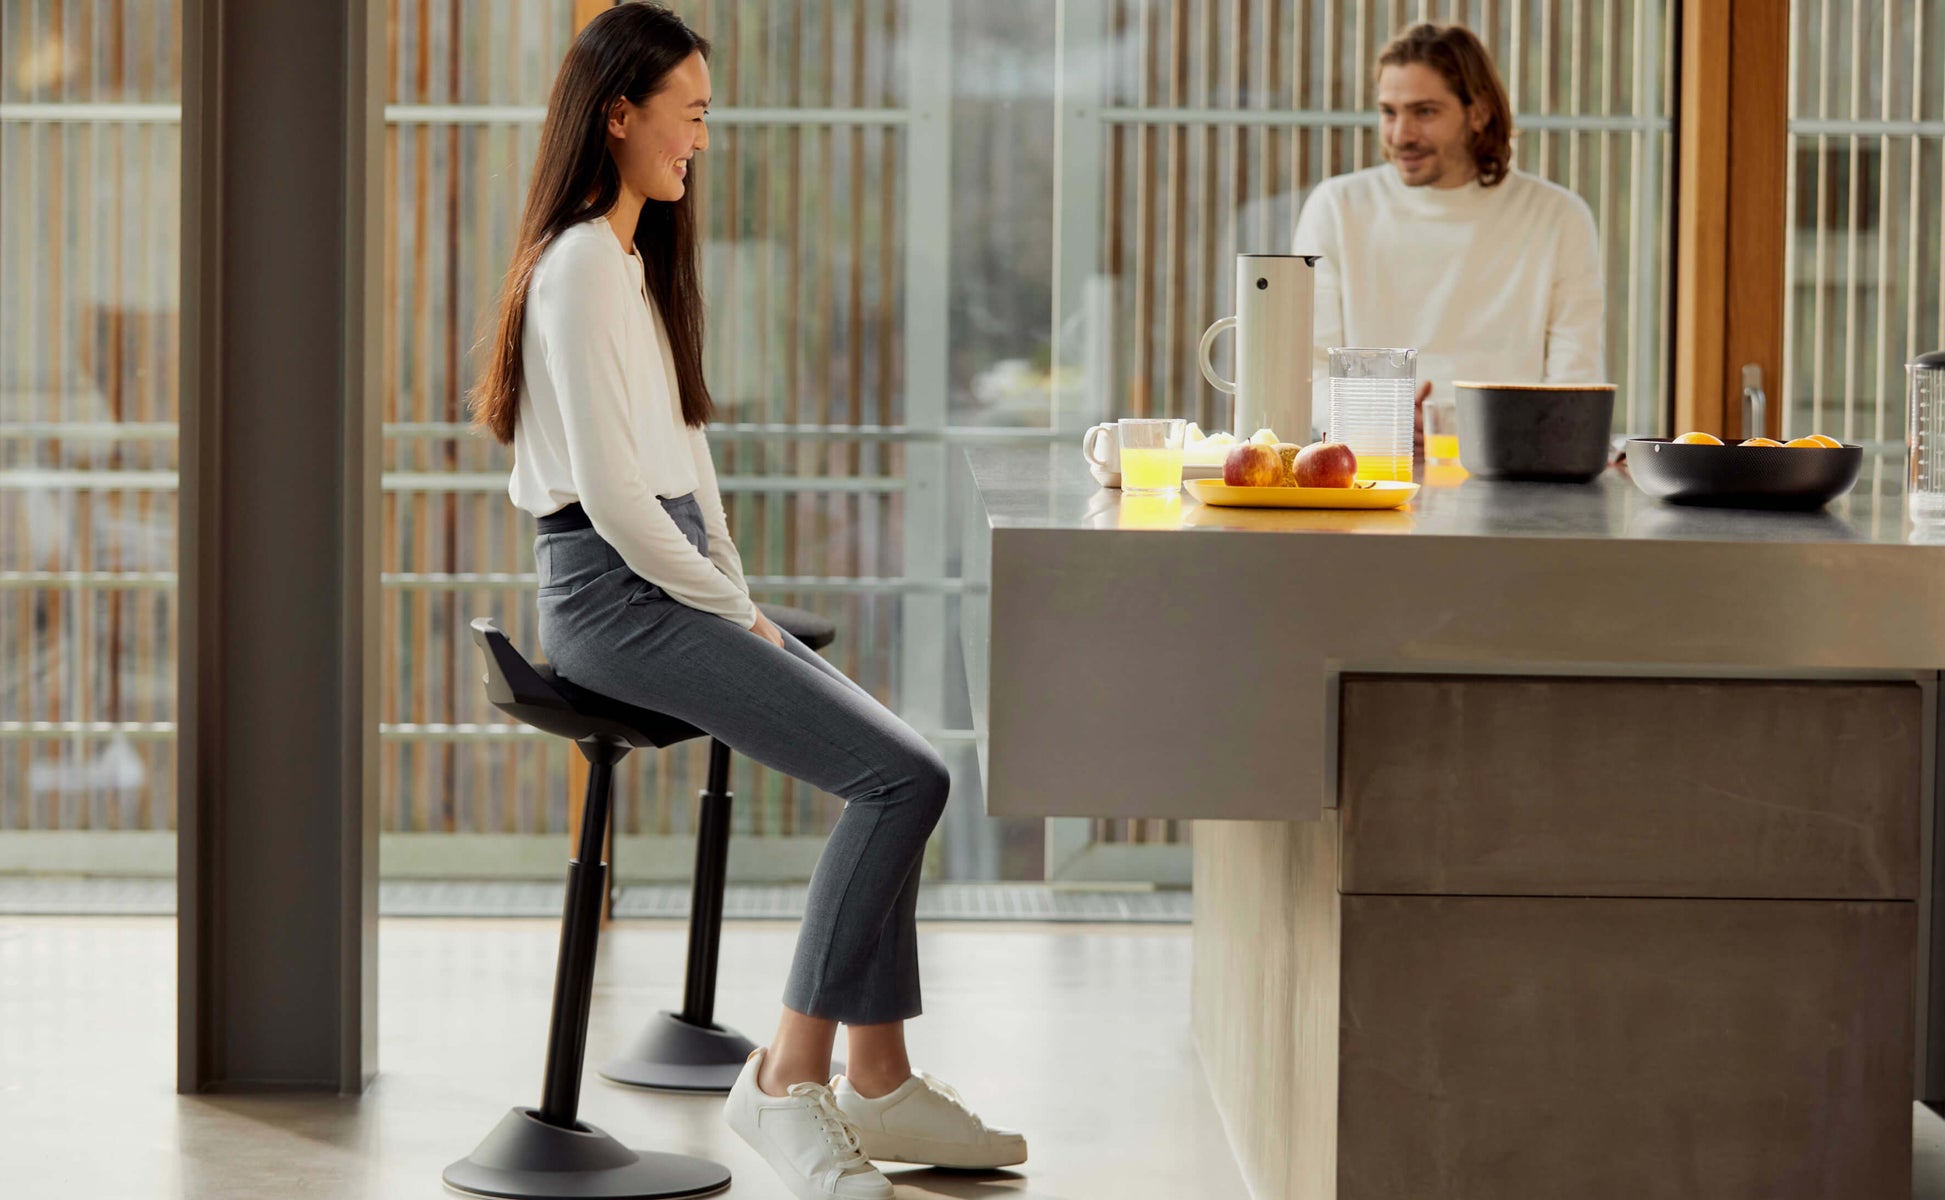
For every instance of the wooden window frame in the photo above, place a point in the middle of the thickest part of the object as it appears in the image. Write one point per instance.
(1731, 210)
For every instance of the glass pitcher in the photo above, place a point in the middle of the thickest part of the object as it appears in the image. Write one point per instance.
(1925, 439)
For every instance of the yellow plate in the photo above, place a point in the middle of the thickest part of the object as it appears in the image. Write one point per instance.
(1374, 494)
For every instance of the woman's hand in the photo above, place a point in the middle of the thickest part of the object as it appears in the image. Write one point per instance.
(767, 630)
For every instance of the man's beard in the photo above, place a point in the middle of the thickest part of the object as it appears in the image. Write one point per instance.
(1433, 161)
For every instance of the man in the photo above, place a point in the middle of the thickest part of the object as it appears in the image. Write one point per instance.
(1487, 272)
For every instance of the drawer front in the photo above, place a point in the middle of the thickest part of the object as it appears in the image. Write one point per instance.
(1608, 787)
(1608, 1049)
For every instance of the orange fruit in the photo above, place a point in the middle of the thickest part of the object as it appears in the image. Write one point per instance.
(1762, 442)
(1828, 443)
(1804, 443)
(1698, 439)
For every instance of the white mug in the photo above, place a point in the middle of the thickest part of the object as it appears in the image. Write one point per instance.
(1108, 439)
(1275, 302)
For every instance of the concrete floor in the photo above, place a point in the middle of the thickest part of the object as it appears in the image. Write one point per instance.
(1025, 1020)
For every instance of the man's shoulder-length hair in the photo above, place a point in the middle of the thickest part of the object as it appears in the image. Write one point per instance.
(1468, 68)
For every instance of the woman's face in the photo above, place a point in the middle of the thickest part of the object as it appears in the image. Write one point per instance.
(653, 142)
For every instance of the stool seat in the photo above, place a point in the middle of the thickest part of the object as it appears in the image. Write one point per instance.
(807, 627)
(540, 696)
(654, 729)
(536, 694)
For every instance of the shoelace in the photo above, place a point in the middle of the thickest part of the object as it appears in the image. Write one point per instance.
(837, 1129)
(948, 1092)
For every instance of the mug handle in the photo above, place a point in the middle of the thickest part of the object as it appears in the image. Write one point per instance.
(1208, 372)
(1087, 445)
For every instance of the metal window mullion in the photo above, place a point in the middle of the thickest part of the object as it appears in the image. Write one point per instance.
(1883, 236)
(437, 114)
(59, 112)
(1342, 119)
(1786, 383)
(928, 205)
(1080, 41)
(1870, 128)
(1644, 203)
(1546, 84)
(1851, 206)
(1360, 87)
(1575, 89)
(1819, 270)
(1913, 290)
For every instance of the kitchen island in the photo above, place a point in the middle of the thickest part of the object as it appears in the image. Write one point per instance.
(1549, 840)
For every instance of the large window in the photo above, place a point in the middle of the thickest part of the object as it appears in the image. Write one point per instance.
(88, 373)
(928, 224)
(1865, 274)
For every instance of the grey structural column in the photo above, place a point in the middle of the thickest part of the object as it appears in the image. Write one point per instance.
(278, 670)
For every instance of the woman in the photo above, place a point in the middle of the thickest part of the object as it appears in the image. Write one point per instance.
(595, 378)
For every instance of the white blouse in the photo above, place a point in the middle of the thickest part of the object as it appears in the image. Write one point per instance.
(601, 422)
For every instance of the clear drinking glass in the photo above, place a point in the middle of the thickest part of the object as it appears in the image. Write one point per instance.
(1371, 394)
(1441, 432)
(1925, 439)
(1151, 455)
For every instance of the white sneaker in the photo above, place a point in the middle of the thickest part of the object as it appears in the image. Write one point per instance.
(925, 1121)
(804, 1138)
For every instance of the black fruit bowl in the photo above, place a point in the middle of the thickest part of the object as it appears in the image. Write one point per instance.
(1777, 477)
(1550, 432)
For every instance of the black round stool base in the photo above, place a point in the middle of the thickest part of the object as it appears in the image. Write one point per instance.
(672, 1055)
(524, 1158)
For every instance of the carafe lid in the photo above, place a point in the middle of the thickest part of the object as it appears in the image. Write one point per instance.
(1935, 361)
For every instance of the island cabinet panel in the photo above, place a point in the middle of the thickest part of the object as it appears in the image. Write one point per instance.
(1607, 1049)
(1630, 787)
(1264, 997)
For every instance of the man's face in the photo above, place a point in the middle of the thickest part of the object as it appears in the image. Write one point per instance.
(1423, 127)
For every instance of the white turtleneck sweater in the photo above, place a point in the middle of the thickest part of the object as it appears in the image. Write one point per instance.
(601, 422)
(1499, 283)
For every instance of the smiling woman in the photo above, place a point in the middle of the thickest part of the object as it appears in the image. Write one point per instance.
(627, 118)
(653, 140)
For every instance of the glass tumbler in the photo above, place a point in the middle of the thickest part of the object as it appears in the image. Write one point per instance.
(1441, 432)
(1371, 393)
(1151, 455)
(1925, 439)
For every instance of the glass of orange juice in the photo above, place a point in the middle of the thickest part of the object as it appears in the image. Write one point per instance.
(1442, 432)
(1151, 455)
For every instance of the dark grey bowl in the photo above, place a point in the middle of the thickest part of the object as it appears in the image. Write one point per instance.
(1778, 477)
(1554, 433)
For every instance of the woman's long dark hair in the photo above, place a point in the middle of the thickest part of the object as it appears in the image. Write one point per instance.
(628, 51)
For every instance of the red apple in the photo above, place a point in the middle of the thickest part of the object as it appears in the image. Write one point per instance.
(1253, 464)
(1326, 465)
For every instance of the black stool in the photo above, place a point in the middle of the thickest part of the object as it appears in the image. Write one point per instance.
(548, 1153)
(688, 1051)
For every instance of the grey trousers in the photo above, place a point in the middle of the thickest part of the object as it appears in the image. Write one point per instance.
(610, 631)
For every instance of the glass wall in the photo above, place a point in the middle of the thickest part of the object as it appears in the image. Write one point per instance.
(1865, 273)
(89, 184)
(928, 225)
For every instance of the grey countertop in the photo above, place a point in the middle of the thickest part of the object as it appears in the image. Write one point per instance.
(1049, 488)
(1118, 666)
